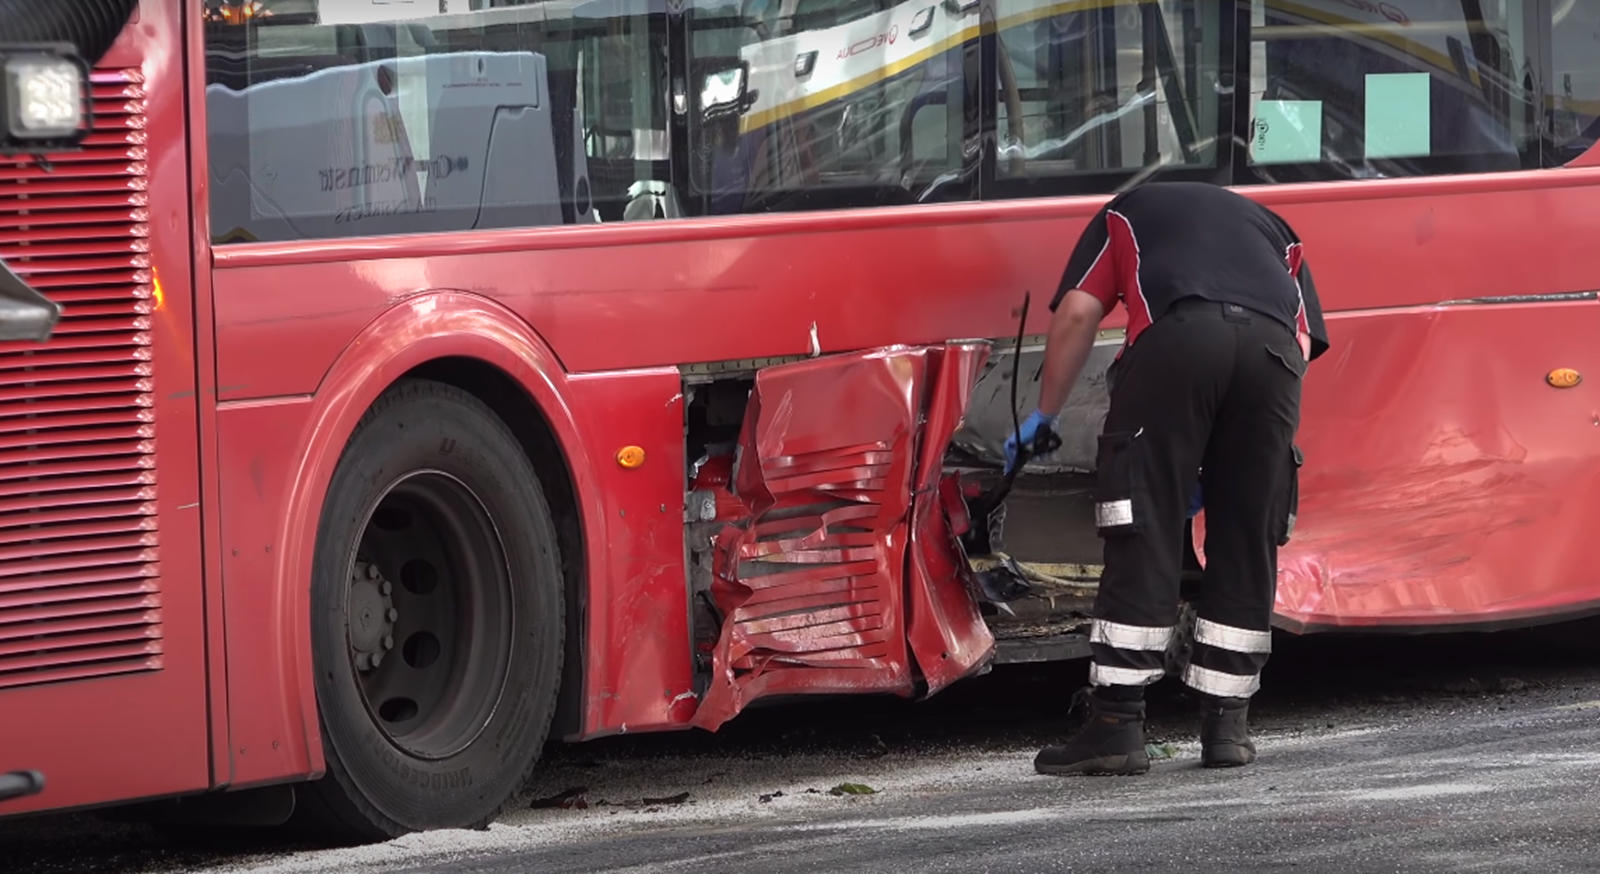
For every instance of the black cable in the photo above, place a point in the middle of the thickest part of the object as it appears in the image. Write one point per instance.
(1016, 371)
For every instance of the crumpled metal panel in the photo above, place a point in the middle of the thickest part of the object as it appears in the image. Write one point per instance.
(1445, 483)
(948, 635)
(812, 584)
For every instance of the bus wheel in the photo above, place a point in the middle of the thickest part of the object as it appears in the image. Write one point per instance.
(436, 619)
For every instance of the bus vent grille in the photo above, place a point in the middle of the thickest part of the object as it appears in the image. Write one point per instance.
(80, 562)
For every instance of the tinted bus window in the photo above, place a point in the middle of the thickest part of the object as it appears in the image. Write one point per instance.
(1342, 89)
(1574, 80)
(829, 103)
(1092, 94)
(337, 119)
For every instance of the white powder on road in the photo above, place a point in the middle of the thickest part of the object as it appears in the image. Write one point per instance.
(732, 795)
(726, 794)
(1426, 790)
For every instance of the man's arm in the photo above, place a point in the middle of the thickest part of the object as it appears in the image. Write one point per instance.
(1072, 331)
(1088, 289)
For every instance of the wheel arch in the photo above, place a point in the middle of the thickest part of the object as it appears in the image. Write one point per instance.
(484, 348)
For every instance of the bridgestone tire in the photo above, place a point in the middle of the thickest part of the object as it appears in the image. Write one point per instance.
(375, 788)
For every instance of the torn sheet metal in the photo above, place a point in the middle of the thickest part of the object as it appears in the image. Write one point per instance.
(948, 635)
(811, 583)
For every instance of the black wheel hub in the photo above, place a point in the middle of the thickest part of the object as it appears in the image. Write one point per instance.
(372, 616)
(429, 615)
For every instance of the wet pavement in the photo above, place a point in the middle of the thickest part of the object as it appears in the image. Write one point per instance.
(1458, 753)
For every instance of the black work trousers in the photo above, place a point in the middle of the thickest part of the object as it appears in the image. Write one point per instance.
(1208, 386)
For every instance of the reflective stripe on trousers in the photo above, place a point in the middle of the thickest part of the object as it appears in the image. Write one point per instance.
(1227, 660)
(1128, 655)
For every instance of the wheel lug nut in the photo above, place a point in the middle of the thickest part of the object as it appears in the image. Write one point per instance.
(377, 659)
(361, 661)
(393, 614)
(385, 587)
(372, 571)
(388, 643)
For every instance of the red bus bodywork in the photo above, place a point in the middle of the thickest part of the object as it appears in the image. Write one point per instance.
(1447, 484)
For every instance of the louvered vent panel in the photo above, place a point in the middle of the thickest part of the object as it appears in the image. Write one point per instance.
(80, 561)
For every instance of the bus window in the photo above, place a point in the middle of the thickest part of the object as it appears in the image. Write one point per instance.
(1091, 94)
(1399, 88)
(846, 103)
(1574, 80)
(621, 77)
(332, 119)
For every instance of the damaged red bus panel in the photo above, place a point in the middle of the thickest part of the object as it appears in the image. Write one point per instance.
(836, 565)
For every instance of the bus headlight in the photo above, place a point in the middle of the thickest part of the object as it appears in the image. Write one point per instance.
(45, 96)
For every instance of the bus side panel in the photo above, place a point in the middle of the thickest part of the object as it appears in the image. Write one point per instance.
(663, 293)
(1445, 482)
(1412, 242)
(272, 724)
(638, 666)
(893, 275)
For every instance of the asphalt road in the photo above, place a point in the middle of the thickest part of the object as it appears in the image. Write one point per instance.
(1458, 753)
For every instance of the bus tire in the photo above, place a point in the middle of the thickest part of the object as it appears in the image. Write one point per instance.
(436, 620)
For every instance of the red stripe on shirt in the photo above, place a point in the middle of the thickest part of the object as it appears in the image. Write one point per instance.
(1295, 256)
(1121, 240)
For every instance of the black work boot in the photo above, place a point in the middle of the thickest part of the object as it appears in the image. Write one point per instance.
(1224, 736)
(1111, 743)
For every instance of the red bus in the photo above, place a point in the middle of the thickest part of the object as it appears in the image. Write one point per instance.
(434, 378)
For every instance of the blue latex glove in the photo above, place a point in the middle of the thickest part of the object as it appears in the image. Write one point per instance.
(1197, 502)
(1029, 429)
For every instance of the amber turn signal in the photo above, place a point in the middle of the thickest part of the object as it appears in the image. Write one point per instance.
(1563, 377)
(630, 457)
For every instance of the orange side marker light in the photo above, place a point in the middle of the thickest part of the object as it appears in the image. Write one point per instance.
(630, 457)
(1563, 377)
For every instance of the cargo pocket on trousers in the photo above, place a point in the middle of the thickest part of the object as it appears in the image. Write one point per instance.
(1119, 495)
(1292, 361)
(1291, 510)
